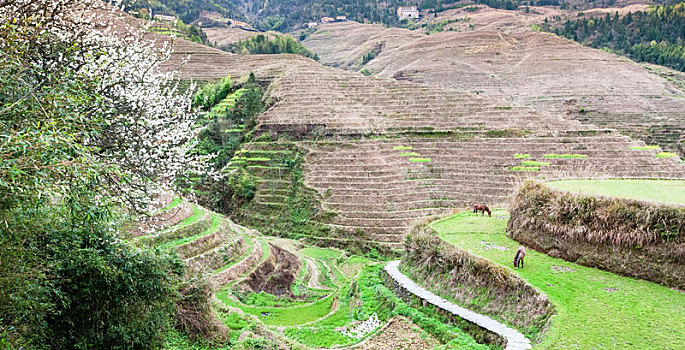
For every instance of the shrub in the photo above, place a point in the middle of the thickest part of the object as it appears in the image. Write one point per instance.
(211, 94)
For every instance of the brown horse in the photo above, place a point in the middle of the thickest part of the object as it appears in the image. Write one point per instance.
(518, 259)
(482, 208)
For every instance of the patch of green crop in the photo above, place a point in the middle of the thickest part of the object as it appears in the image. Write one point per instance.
(409, 154)
(317, 337)
(595, 309)
(419, 160)
(213, 227)
(269, 300)
(276, 316)
(525, 168)
(321, 253)
(258, 159)
(398, 148)
(660, 191)
(565, 156)
(521, 155)
(666, 155)
(533, 162)
(174, 203)
(648, 147)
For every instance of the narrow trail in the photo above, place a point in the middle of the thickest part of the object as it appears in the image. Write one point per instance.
(314, 278)
(515, 340)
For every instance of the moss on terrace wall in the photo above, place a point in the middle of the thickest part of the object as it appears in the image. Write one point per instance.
(628, 237)
(475, 283)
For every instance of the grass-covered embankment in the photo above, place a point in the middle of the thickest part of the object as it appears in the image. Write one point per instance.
(632, 238)
(595, 309)
(475, 283)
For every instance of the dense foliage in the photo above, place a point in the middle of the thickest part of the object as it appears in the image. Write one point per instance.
(212, 93)
(654, 36)
(89, 127)
(262, 44)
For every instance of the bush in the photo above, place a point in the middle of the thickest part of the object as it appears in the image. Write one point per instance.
(83, 276)
(211, 94)
(243, 184)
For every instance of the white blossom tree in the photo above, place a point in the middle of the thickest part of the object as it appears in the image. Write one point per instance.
(96, 95)
(88, 125)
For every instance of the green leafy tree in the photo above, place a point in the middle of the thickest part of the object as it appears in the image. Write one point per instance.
(88, 129)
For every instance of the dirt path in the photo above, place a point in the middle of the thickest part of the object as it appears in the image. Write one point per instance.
(314, 275)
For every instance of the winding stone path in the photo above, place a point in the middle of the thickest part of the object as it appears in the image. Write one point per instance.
(514, 339)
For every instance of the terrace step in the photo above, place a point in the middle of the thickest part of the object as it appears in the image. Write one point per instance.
(240, 268)
(178, 231)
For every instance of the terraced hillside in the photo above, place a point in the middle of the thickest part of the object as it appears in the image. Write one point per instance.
(279, 291)
(496, 53)
(383, 153)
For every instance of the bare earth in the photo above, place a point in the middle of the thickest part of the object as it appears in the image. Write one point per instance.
(401, 334)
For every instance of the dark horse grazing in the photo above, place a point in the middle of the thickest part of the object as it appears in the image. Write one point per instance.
(482, 208)
(518, 259)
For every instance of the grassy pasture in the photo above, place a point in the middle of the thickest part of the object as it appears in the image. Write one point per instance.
(595, 309)
(661, 191)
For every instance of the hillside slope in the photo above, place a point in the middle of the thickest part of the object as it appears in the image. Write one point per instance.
(496, 53)
(383, 153)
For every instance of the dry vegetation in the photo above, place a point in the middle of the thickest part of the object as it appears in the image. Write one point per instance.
(496, 53)
(466, 139)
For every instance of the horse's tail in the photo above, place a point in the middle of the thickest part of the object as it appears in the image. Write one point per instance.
(516, 258)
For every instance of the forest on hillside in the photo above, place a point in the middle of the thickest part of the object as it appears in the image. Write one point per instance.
(187, 10)
(654, 36)
(288, 15)
(262, 44)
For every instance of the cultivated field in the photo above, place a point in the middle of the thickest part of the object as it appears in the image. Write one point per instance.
(660, 191)
(496, 53)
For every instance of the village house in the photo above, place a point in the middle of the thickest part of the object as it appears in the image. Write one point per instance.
(240, 24)
(327, 19)
(165, 18)
(341, 18)
(405, 12)
(312, 24)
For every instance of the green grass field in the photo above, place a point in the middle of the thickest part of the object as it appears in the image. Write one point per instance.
(595, 309)
(661, 191)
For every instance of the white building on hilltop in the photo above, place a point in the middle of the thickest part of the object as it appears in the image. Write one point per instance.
(165, 18)
(404, 12)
